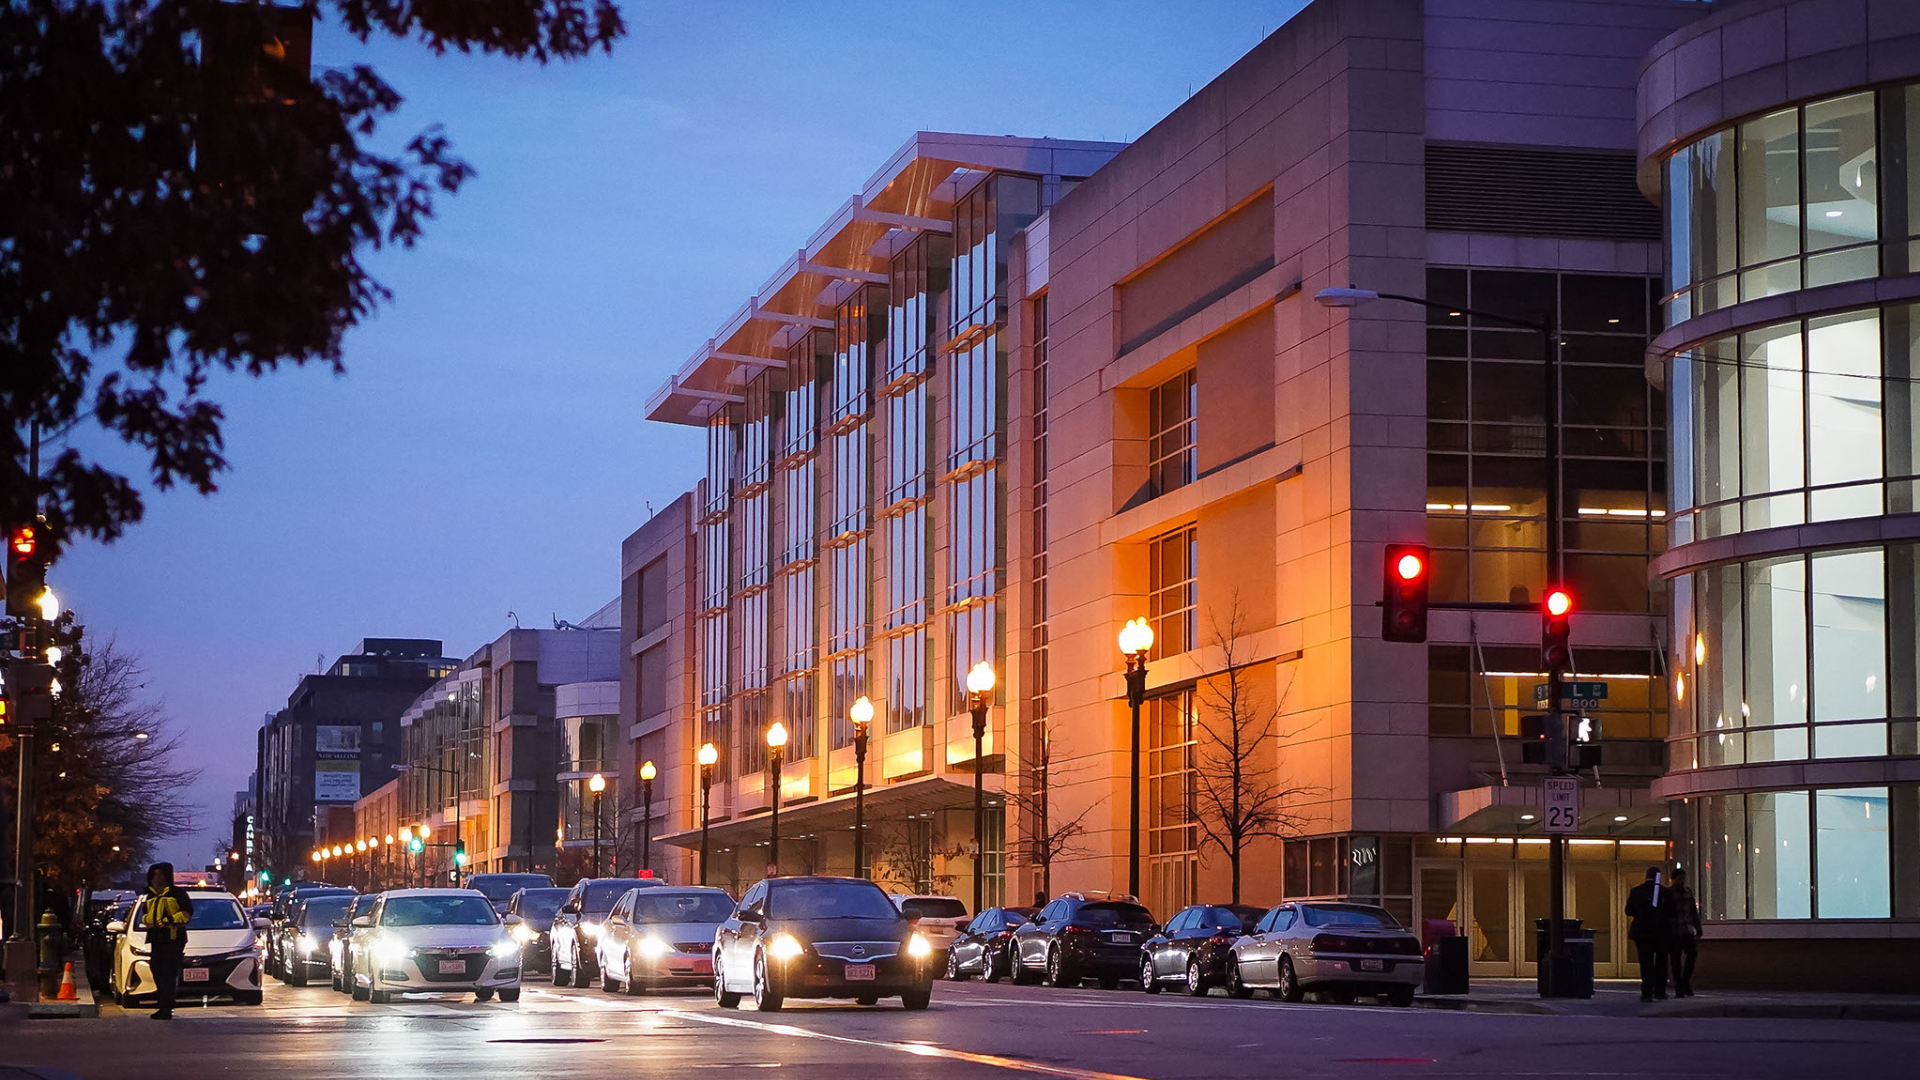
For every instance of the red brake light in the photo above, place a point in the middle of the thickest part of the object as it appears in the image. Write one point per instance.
(1409, 566)
(1072, 929)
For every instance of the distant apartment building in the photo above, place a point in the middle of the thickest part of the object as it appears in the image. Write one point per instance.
(336, 739)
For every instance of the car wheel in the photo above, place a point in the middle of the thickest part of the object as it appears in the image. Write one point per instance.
(1147, 982)
(361, 993)
(562, 974)
(483, 995)
(915, 1000)
(508, 997)
(637, 986)
(1060, 970)
(297, 974)
(1236, 986)
(1289, 982)
(608, 984)
(723, 997)
(247, 997)
(993, 966)
(765, 998)
(867, 999)
(380, 997)
(1021, 976)
(1196, 979)
(953, 966)
(1400, 997)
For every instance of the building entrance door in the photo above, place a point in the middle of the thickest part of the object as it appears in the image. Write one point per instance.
(1495, 904)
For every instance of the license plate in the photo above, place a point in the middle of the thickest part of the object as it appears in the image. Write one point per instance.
(860, 972)
(1120, 939)
(196, 975)
(1373, 965)
(453, 967)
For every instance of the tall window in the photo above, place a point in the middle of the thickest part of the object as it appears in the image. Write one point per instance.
(1174, 596)
(1173, 838)
(1037, 677)
(1174, 405)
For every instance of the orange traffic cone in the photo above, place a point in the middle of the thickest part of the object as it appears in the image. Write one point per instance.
(66, 987)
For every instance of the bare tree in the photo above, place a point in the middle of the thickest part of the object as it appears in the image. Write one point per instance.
(1046, 834)
(895, 859)
(1239, 795)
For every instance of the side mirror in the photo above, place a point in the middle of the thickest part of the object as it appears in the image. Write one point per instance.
(510, 920)
(262, 924)
(571, 907)
(116, 927)
(363, 921)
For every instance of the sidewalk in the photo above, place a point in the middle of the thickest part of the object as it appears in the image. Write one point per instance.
(1621, 998)
(39, 1010)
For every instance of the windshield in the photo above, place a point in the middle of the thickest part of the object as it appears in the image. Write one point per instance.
(933, 907)
(829, 899)
(599, 897)
(323, 911)
(1113, 915)
(501, 887)
(538, 905)
(1347, 915)
(683, 908)
(438, 911)
(363, 905)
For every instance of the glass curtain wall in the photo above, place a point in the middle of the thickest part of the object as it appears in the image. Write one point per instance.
(860, 335)
(795, 579)
(716, 582)
(1173, 839)
(1824, 853)
(917, 279)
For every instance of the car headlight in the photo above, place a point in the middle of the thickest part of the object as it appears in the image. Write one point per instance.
(505, 949)
(389, 952)
(308, 944)
(654, 947)
(919, 947)
(525, 934)
(785, 947)
(591, 929)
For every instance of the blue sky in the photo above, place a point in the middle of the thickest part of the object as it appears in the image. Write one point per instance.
(485, 451)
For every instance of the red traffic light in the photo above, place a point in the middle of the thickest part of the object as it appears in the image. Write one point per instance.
(1559, 602)
(23, 541)
(1410, 565)
(1403, 599)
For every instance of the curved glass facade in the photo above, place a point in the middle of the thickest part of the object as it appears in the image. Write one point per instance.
(1823, 853)
(1810, 195)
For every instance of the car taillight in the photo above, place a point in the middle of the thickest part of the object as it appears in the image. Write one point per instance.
(1222, 938)
(1405, 946)
(1333, 943)
(1004, 934)
(1072, 929)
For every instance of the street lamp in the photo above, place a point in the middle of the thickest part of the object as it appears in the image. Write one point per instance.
(980, 682)
(597, 785)
(1136, 640)
(776, 746)
(707, 757)
(647, 773)
(861, 713)
(1550, 422)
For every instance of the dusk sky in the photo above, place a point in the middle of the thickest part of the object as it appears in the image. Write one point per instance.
(485, 451)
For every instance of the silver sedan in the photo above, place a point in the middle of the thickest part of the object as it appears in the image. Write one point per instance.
(1344, 949)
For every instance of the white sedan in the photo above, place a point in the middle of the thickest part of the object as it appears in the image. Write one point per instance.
(220, 958)
(434, 941)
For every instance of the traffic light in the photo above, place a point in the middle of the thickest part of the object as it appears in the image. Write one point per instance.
(459, 853)
(1556, 644)
(1583, 742)
(1404, 593)
(27, 553)
(416, 843)
(1534, 738)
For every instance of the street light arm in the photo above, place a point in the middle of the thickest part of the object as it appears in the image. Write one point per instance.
(1348, 297)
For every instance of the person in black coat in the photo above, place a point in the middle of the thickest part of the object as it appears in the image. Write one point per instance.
(1650, 906)
(1683, 938)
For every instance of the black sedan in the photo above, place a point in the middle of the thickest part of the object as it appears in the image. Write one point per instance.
(985, 947)
(1195, 946)
(535, 907)
(820, 937)
(1078, 937)
(577, 926)
(308, 939)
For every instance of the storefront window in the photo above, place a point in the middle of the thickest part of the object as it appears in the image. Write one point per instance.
(1854, 878)
(1829, 853)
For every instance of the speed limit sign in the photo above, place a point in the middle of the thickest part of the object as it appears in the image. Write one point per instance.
(1560, 800)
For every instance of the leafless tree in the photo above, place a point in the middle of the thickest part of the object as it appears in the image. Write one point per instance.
(895, 860)
(1045, 833)
(1239, 793)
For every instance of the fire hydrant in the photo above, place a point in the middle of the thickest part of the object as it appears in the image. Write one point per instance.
(53, 950)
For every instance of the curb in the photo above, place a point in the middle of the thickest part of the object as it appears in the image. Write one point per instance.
(1884, 1011)
(1512, 1008)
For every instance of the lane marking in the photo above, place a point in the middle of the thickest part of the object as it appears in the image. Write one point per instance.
(916, 1049)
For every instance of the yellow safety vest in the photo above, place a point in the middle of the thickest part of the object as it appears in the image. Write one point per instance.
(165, 917)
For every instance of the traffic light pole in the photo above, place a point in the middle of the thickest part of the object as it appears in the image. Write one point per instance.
(1556, 719)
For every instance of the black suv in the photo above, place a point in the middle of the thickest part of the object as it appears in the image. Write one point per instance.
(1081, 936)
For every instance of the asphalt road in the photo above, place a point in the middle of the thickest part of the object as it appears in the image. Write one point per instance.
(972, 1031)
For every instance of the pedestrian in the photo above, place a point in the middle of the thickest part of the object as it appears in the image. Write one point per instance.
(165, 910)
(1650, 906)
(1039, 898)
(1684, 936)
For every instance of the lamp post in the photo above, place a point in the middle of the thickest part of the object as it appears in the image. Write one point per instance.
(1136, 640)
(979, 696)
(861, 713)
(1550, 421)
(597, 785)
(776, 747)
(647, 773)
(456, 816)
(707, 757)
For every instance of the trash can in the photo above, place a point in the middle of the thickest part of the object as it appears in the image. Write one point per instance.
(1446, 959)
(1572, 977)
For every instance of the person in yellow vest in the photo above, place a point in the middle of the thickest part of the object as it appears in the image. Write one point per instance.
(165, 910)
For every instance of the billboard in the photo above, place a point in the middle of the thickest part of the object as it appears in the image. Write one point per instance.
(336, 739)
(336, 781)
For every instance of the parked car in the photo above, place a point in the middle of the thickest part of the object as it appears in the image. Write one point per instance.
(338, 955)
(985, 947)
(307, 936)
(820, 937)
(434, 941)
(220, 958)
(576, 926)
(535, 909)
(941, 918)
(1194, 946)
(1345, 949)
(661, 937)
(499, 888)
(101, 940)
(1080, 936)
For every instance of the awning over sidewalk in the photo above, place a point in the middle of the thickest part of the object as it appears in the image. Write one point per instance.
(891, 802)
(1514, 810)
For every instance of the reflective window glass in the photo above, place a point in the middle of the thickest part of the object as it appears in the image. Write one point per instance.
(1855, 879)
(1780, 865)
(1849, 651)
